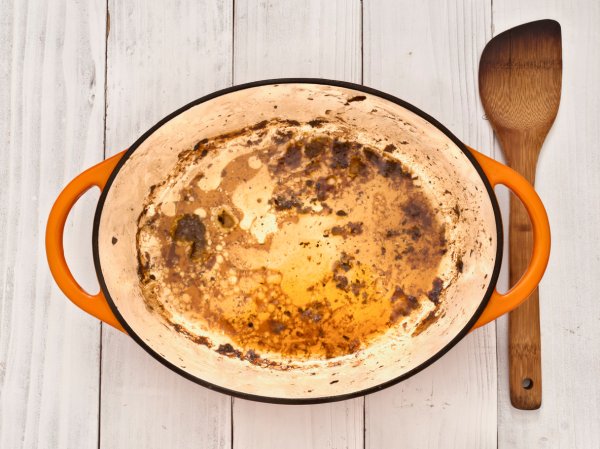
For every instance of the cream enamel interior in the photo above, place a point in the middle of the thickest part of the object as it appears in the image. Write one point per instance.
(429, 153)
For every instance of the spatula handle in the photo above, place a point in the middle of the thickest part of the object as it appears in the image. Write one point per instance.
(524, 348)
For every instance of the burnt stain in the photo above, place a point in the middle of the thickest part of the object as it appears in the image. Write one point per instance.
(350, 228)
(114, 240)
(418, 212)
(229, 350)
(390, 168)
(325, 168)
(339, 154)
(316, 147)
(141, 270)
(260, 125)
(225, 219)
(356, 288)
(391, 233)
(210, 262)
(390, 148)
(456, 210)
(398, 293)
(414, 233)
(286, 201)
(201, 144)
(355, 228)
(276, 327)
(198, 339)
(413, 210)
(172, 258)
(189, 228)
(281, 137)
(251, 355)
(326, 209)
(345, 262)
(337, 230)
(386, 166)
(312, 314)
(317, 123)
(357, 98)
(323, 188)
(436, 290)
(425, 323)
(402, 304)
(312, 167)
(459, 264)
(293, 155)
(371, 155)
(357, 167)
(341, 282)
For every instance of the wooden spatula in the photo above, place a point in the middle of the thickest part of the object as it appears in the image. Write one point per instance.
(520, 76)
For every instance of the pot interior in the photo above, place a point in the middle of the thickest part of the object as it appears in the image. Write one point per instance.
(246, 154)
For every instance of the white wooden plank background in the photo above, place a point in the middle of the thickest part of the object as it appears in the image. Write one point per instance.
(69, 83)
(51, 128)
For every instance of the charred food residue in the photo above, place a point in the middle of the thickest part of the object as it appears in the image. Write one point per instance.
(298, 241)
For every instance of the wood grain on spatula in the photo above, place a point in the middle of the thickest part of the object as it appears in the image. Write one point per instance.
(520, 76)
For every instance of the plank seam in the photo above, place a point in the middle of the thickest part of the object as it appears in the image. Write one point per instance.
(362, 81)
(362, 43)
(231, 399)
(495, 326)
(107, 28)
(232, 42)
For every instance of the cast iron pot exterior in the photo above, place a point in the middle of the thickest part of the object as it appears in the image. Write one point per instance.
(107, 309)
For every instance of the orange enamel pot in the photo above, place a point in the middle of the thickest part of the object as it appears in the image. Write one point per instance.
(454, 177)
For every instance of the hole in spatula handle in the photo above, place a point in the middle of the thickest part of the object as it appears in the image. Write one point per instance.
(527, 383)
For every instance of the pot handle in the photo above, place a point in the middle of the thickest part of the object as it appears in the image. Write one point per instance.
(498, 173)
(95, 305)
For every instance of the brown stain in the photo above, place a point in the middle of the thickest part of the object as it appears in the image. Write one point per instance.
(360, 271)
(425, 323)
(357, 98)
(189, 229)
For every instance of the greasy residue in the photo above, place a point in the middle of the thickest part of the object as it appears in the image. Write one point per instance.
(292, 239)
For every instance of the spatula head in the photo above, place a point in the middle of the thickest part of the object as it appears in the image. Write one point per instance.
(520, 76)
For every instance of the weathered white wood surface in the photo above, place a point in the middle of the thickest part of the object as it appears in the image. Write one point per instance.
(65, 382)
(160, 57)
(51, 128)
(568, 182)
(310, 38)
(427, 53)
(286, 39)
